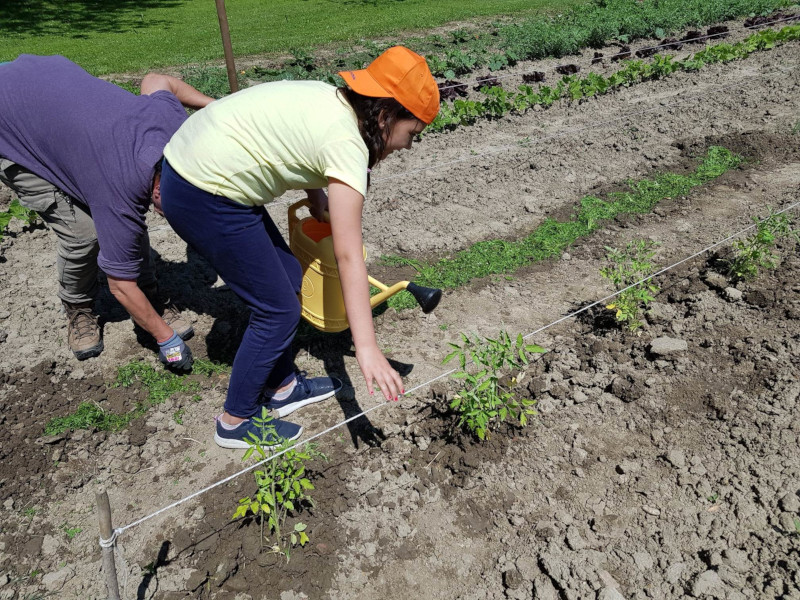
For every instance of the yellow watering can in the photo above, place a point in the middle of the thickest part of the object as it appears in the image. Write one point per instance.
(321, 294)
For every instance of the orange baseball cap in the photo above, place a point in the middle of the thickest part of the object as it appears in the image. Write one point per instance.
(403, 75)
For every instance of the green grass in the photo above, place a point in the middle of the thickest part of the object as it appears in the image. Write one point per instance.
(551, 238)
(160, 385)
(108, 36)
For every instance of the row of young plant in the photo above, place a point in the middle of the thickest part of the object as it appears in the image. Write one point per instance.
(500, 102)
(627, 269)
(488, 381)
(497, 46)
(499, 257)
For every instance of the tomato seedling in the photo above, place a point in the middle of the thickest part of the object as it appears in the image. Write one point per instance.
(281, 486)
(625, 269)
(487, 395)
(754, 252)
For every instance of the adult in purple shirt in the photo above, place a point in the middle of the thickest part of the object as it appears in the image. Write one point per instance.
(86, 154)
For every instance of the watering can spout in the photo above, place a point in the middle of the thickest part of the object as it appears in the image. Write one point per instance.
(321, 299)
(427, 298)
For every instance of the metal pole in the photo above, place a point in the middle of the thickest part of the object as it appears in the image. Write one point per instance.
(226, 45)
(106, 531)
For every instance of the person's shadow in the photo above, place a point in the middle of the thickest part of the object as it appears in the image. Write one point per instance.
(194, 285)
(331, 348)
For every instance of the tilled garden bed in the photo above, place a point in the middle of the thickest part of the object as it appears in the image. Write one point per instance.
(656, 468)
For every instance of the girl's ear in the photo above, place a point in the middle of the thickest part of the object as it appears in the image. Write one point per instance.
(382, 119)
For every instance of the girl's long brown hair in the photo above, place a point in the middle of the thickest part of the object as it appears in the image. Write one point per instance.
(368, 111)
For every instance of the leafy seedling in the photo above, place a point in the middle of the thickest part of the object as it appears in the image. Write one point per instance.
(754, 252)
(625, 270)
(281, 486)
(487, 396)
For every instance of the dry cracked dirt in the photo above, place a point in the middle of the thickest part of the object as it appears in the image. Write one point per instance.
(663, 464)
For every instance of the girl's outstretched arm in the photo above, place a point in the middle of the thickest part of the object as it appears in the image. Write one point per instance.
(344, 206)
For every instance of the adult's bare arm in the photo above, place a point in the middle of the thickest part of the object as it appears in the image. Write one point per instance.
(188, 96)
(138, 306)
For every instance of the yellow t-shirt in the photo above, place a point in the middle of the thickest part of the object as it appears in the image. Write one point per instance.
(254, 145)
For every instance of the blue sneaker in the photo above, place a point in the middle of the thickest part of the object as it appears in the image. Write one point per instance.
(306, 391)
(236, 438)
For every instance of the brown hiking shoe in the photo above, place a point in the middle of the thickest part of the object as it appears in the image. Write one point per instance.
(169, 312)
(83, 332)
(173, 317)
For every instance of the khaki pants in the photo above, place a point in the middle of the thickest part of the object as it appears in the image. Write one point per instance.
(72, 223)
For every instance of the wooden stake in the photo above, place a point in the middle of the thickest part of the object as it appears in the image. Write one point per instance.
(106, 531)
(226, 45)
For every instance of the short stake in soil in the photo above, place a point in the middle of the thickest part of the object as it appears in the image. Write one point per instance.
(282, 486)
(487, 396)
(107, 537)
(625, 269)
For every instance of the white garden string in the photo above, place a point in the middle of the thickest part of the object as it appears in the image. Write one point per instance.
(120, 530)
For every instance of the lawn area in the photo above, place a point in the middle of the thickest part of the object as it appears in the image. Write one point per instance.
(112, 36)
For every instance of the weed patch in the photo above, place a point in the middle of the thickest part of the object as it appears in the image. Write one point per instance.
(160, 385)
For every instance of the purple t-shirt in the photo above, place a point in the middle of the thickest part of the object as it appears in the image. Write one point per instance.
(92, 140)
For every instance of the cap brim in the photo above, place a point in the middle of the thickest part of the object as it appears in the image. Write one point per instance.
(363, 83)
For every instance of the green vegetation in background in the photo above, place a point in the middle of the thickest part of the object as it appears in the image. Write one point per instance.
(160, 385)
(108, 36)
(500, 101)
(623, 20)
(551, 238)
(497, 46)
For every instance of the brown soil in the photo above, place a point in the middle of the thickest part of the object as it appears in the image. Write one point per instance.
(646, 475)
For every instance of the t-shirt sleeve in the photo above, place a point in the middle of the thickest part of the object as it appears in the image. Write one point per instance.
(122, 237)
(347, 161)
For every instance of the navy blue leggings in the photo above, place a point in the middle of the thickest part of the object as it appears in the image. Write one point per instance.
(248, 252)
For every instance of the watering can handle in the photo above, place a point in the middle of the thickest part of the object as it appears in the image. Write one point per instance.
(293, 218)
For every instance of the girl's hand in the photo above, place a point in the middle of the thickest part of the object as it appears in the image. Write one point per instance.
(319, 204)
(377, 370)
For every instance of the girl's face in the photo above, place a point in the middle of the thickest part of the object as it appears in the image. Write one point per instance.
(402, 135)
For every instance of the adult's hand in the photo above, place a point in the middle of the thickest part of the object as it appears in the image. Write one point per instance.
(175, 354)
(187, 95)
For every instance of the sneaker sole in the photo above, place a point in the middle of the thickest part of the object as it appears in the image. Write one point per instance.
(241, 444)
(295, 406)
(89, 352)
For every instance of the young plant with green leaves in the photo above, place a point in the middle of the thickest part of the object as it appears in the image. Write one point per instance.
(754, 252)
(19, 212)
(282, 486)
(487, 396)
(625, 270)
